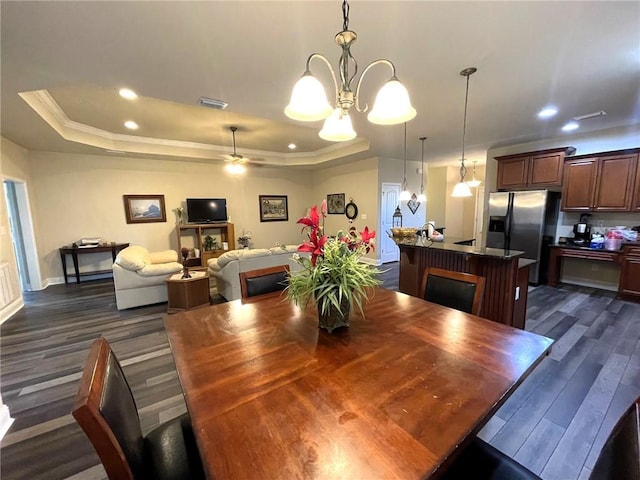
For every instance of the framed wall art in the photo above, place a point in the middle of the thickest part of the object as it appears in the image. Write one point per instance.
(273, 208)
(335, 203)
(144, 208)
(413, 204)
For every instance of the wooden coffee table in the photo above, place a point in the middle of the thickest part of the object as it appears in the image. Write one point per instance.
(187, 293)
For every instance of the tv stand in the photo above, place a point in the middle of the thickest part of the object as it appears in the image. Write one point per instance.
(191, 235)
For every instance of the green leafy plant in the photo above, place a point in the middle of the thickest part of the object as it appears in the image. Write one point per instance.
(209, 243)
(334, 274)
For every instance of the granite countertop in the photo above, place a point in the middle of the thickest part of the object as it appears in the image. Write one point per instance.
(585, 247)
(470, 250)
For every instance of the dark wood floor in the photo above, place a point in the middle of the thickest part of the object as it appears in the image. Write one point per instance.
(554, 423)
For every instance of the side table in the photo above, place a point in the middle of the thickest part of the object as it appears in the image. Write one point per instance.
(187, 293)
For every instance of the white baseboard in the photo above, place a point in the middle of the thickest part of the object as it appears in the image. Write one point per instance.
(72, 279)
(5, 420)
(371, 261)
(8, 311)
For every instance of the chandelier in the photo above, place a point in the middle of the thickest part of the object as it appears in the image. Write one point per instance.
(309, 99)
(461, 189)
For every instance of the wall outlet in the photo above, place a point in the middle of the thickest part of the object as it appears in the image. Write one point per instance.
(363, 216)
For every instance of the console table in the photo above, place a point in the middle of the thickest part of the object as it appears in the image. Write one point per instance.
(114, 248)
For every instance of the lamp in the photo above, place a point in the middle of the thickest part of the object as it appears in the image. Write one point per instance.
(397, 218)
(404, 194)
(309, 100)
(422, 197)
(461, 188)
(473, 183)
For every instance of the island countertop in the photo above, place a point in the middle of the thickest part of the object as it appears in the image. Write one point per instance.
(506, 274)
(418, 242)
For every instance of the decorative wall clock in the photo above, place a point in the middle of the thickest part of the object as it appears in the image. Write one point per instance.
(351, 210)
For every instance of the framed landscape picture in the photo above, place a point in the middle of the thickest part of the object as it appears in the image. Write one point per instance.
(273, 208)
(144, 208)
(335, 203)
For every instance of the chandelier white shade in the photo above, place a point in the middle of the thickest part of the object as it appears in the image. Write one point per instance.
(392, 105)
(309, 100)
(338, 127)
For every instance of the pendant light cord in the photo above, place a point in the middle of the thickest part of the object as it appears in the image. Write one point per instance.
(464, 122)
(422, 139)
(404, 183)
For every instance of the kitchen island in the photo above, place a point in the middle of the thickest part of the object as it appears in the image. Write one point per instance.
(506, 274)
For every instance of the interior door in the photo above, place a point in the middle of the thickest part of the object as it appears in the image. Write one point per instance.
(389, 251)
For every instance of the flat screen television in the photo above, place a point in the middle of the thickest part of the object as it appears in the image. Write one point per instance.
(207, 210)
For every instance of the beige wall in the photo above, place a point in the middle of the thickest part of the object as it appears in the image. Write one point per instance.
(81, 196)
(357, 180)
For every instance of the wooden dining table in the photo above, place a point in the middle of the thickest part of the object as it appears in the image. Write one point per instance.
(396, 395)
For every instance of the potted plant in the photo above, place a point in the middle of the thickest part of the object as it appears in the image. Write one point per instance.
(333, 277)
(209, 243)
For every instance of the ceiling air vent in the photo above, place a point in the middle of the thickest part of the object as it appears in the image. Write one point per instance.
(212, 103)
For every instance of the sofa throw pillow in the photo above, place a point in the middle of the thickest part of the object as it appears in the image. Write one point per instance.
(133, 258)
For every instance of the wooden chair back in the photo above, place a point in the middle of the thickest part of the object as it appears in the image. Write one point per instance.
(619, 458)
(264, 281)
(462, 291)
(105, 409)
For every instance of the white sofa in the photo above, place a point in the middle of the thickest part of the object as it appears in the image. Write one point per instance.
(227, 267)
(138, 276)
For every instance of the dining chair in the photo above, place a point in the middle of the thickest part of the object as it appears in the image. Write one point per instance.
(462, 291)
(264, 281)
(106, 410)
(619, 458)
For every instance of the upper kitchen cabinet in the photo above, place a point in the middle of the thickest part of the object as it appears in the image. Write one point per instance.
(541, 169)
(602, 182)
(635, 206)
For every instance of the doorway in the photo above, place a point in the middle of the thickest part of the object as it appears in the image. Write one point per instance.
(22, 235)
(389, 251)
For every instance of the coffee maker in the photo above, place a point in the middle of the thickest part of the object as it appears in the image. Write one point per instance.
(582, 230)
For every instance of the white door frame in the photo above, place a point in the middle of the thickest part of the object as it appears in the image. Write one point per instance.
(32, 278)
(389, 251)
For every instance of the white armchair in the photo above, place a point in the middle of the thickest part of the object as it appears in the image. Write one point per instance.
(139, 276)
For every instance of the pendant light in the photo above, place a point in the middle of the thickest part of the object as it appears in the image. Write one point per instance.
(422, 197)
(404, 194)
(474, 182)
(461, 188)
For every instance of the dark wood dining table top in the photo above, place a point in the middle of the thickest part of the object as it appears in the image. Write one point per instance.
(393, 396)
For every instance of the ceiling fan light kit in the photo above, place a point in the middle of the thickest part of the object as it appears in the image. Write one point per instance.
(309, 100)
(461, 189)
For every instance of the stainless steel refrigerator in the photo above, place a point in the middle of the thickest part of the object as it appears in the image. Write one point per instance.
(527, 221)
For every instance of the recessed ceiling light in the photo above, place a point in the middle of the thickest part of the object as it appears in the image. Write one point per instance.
(570, 126)
(131, 125)
(128, 93)
(547, 112)
(292, 146)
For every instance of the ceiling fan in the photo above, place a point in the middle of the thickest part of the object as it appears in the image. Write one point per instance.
(236, 162)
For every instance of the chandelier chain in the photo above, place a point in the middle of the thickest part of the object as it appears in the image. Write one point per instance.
(345, 15)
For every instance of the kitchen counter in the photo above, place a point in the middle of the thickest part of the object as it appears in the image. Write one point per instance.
(453, 247)
(505, 273)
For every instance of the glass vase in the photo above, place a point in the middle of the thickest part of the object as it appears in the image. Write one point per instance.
(333, 317)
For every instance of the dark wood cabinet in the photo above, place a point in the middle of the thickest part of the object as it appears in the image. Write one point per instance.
(601, 183)
(542, 169)
(630, 275)
(635, 206)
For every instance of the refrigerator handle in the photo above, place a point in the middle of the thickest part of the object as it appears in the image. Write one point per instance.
(508, 222)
